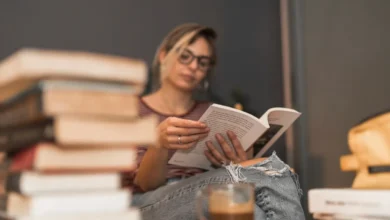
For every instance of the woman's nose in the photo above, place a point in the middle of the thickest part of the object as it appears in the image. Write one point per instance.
(194, 64)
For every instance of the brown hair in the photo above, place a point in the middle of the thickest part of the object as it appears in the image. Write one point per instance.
(174, 40)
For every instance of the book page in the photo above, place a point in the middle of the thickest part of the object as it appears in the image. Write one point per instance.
(220, 119)
(278, 120)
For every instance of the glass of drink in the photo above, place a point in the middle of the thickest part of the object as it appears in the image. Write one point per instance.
(226, 201)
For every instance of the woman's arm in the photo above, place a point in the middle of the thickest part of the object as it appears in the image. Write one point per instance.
(173, 133)
(153, 169)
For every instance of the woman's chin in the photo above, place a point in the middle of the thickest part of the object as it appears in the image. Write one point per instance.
(186, 86)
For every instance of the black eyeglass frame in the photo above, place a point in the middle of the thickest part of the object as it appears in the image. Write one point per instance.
(198, 59)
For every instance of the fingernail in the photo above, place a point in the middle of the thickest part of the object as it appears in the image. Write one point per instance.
(218, 136)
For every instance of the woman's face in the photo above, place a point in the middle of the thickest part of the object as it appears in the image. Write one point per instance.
(191, 66)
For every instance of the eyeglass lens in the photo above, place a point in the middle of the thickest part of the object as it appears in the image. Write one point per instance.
(186, 57)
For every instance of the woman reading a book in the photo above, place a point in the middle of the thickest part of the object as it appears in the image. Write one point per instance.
(183, 63)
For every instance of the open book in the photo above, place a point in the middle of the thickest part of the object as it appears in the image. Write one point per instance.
(249, 129)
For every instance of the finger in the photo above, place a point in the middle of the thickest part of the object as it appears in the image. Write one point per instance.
(212, 159)
(181, 146)
(172, 130)
(216, 154)
(237, 146)
(174, 139)
(249, 153)
(179, 122)
(229, 152)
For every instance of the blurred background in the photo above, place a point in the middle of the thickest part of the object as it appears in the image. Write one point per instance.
(327, 59)
(249, 44)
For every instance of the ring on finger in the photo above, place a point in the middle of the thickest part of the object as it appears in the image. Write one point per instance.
(179, 139)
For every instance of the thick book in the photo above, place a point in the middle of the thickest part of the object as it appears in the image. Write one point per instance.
(133, 213)
(76, 131)
(50, 158)
(35, 183)
(67, 203)
(248, 128)
(346, 201)
(52, 97)
(27, 65)
(332, 216)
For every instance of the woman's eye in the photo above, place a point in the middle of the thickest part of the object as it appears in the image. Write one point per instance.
(184, 56)
(204, 64)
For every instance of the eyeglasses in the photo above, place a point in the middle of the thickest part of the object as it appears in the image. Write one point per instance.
(204, 62)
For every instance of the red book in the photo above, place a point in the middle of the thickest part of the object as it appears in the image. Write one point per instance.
(47, 157)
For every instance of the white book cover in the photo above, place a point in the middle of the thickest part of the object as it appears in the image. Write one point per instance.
(350, 201)
(132, 213)
(330, 216)
(64, 203)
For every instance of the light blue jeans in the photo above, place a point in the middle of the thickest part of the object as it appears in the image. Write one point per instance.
(277, 192)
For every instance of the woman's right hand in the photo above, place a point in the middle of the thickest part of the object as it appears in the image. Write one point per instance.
(178, 133)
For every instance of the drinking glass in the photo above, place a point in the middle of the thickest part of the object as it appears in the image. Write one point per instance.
(231, 201)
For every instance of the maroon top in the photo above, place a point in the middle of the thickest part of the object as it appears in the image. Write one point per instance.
(173, 170)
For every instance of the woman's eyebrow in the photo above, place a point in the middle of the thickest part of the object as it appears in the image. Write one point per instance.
(190, 51)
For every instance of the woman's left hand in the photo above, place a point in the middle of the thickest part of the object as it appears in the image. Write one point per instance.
(235, 155)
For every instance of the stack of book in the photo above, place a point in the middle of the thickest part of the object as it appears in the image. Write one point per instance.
(69, 125)
(369, 196)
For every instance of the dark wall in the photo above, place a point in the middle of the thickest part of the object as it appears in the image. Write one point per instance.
(348, 75)
(343, 56)
(249, 43)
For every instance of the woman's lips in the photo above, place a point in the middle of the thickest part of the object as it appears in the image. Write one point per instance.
(188, 78)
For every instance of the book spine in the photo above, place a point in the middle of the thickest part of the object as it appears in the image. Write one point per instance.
(3, 182)
(3, 205)
(12, 140)
(379, 169)
(4, 165)
(4, 169)
(12, 183)
(23, 160)
(22, 109)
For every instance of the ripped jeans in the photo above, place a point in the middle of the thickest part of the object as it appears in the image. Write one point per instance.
(277, 192)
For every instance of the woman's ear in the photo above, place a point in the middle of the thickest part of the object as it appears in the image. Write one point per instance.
(162, 56)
